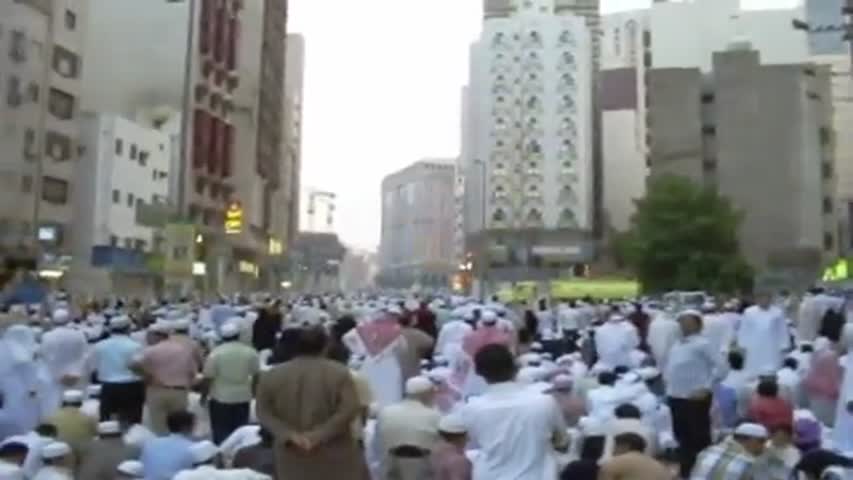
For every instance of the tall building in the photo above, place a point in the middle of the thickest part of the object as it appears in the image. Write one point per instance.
(529, 146)
(292, 148)
(743, 122)
(416, 246)
(124, 166)
(669, 35)
(41, 47)
(590, 11)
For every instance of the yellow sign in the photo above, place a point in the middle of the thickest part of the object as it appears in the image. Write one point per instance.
(248, 267)
(276, 247)
(837, 272)
(234, 219)
(602, 289)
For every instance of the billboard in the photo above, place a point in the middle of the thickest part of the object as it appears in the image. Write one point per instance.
(180, 250)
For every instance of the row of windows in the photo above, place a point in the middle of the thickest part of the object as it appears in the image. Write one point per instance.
(530, 38)
(138, 154)
(65, 62)
(534, 216)
(129, 243)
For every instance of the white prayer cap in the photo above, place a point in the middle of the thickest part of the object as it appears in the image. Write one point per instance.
(229, 330)
(591, 427)
(490, 317)
(752, 430)
(536, 347)
(160, 326)
(119, 322)
(55, 450)
(629, 378)
(355, 362)
(565, 360)
(452, 424)
(72, 396)
(395, 310)
(529, 358)
(18, 309)
(615, 318)
(709, 306)
(110, 427)
(690, 312)
(204, 451)
(373, 410)
(648, 373)
(181, 325)
(419, 385)
(93, 390)
(61, 317)
(131, 468)
(561, 383)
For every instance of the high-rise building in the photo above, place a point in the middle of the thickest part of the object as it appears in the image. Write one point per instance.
(416, 246)
(123, 167)
(292, 148)
(590, 11)
(41, 48)
(743, 122)
(530, 146)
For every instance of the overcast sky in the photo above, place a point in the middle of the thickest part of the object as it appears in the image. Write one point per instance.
(382, 90)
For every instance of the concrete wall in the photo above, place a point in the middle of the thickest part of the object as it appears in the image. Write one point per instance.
(675, 122)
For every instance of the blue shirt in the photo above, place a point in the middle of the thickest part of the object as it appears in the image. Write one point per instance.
(113, 357)
(163, 457)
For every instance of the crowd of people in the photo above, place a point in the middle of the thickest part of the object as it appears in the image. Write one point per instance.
(444, 388)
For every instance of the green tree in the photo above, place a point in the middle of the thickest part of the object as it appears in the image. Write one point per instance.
(684, 237)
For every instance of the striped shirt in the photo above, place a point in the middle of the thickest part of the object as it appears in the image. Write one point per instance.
(725, 461)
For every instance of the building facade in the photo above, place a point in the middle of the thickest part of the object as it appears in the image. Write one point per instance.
(416, 246)
(743, 121)
(40, 83)
(530, 146)
(292, 137)
(125, 166)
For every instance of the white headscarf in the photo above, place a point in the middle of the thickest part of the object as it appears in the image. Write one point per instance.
(21, 342)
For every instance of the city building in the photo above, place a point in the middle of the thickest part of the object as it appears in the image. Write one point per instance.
(528, 147)
(292, 148)
(746, 122)
(41, 45)
(124, 167)
(669, 35)
(416, 243)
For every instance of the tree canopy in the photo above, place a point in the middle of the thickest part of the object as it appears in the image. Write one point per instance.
(684, 237)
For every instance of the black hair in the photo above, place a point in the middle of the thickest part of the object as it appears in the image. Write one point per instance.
(180, 421)
(627, 410)
(631, 441)
(47, 430)
(606, 378)
(266, 437)
(14, 448)
(768, 388)
(312, 341)
(495, 363)
(791, 363)
(807, 348)
(592, 447)
(451, 437)
(621, 370)
(736, 360)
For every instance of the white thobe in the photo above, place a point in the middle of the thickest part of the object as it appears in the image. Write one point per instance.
(450, 338)
(245, 436)
(663, 333)
(763, 335)
(614, 342)
(53, 473)
(382, 371)
(206, 472)
(843, 430)
(719, 329)
(811, 312)
(65, 352)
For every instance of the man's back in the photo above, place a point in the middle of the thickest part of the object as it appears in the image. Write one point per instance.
(633, 466)
(231, 367)
(101, 458)
(163, 457)
(73, 427)
(515, 430)
(113, 358)
(408, 422)
(171, 363)
(724, 461)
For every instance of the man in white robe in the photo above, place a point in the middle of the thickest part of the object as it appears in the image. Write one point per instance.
(614, 342)
(24, 383)
(65, 352)
(812, 309)
(379, 341)
(450, 337)
(843, 431)
(663, 333)
(763, 336)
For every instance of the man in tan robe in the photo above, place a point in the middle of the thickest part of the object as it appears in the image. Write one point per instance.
(309, 404)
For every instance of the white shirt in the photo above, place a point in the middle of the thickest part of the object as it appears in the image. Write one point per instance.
(763, 333)
(53, 473)
(570, 318)
(450, 335)
(514, 430)
(207, 472)
(245, 436)
(691, 366)
(9, 471)
(408, 422)
(614, 342)
(65, 350)
(663, 333)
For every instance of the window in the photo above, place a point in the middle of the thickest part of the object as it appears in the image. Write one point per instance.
(119, 146)
(116, 196)
(70, 20)
(826, 169)
(54, 190)
(709, 165)
(130, 199)
(143, 158)
(30, 151)
(133, 151)
(13, 93)
(26, 184)
(61, 104)
(199, 186)
(139, 245)
(65, 62)
(825, 134)
(128, 243)
(707, 98)
(113, 241)
(709, 130)
(498, 216)
(809, 72)
(58, 146)
(18, 46)
(33, 92)
(827, 205)
(828, 241)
